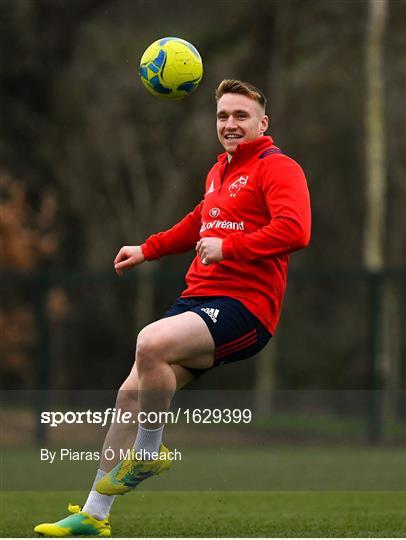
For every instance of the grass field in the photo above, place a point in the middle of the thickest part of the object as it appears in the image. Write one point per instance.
(282, 491)
(222, 514)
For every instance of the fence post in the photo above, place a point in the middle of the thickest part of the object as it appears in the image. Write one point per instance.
(42, 364)
(374, 427)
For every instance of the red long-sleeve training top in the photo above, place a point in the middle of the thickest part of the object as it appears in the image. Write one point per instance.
(259, 205)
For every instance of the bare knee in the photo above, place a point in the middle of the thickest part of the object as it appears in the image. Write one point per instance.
(152, 349)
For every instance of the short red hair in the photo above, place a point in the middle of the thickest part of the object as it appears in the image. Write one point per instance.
(233, 86)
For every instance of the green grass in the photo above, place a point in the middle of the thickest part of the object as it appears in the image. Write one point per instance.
(225, 492)
(222, 514)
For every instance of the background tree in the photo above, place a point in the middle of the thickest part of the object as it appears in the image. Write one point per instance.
(28, 240)
(121, 164)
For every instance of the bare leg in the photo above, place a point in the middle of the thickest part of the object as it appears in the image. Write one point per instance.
(122, 436)
(161, 347)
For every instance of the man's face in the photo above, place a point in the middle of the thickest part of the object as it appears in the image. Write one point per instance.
(239, 119)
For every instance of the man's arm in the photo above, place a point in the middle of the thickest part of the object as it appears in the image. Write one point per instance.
(181, 238)
(288, 200)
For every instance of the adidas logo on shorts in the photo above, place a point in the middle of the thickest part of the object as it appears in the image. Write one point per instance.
(211, 312)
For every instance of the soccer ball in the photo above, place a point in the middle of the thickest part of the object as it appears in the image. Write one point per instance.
(171, 68)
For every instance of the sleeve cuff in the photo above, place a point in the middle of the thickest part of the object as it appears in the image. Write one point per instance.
(227, 249)
(148, 253)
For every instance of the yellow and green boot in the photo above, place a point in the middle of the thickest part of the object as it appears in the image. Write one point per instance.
(78, 524)
(128, 473)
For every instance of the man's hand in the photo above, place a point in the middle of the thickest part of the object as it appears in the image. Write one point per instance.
(209, 250)
(127, 257)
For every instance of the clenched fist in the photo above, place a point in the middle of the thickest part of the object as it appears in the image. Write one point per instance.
(209, 250)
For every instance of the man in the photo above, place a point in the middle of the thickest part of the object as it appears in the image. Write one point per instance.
(255, 212)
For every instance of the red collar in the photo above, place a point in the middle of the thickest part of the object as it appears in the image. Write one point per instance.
(249, 149)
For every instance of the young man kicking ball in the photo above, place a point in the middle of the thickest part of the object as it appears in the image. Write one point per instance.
(255, 212)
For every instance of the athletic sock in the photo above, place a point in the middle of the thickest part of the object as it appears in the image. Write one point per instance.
(98, 505)
(148, 440)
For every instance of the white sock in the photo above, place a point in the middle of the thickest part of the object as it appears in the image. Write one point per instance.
(98, 505)
(148, 440)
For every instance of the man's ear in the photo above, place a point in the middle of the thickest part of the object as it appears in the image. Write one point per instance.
(264, 124)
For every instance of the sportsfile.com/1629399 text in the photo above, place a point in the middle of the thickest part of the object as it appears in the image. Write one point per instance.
(117, 416)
